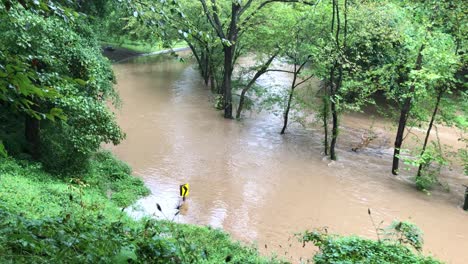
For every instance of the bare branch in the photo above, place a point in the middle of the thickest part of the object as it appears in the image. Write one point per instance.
(275, 70)
(303, 81)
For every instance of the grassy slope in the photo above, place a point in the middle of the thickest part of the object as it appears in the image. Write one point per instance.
(47, 218)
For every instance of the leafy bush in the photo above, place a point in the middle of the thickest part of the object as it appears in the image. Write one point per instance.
(353, 249)
(58, 154)
(431, 162)
(404, 233)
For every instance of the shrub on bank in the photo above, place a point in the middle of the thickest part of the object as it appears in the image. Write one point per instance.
(353, 249)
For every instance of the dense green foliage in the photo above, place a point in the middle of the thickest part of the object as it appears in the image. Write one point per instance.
(52, 68)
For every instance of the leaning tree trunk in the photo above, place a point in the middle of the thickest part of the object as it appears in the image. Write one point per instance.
(245, 90)
(257, 75)
(428, 133)
(199, 58)
(404, 118)
(288, 106)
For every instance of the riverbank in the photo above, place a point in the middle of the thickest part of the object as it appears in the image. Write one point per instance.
(47, 218)
(120, 54)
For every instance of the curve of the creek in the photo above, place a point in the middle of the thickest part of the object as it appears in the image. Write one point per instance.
(260, 186)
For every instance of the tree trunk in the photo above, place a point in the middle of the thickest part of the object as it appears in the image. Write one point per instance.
(227, 84)
(403, 118)
(465, 205)
(205, 71)
(212, 80)
(325, 113)
(241, 103)
(200, 58)
(428, 133)
(288, 106)
(334, 113)
(244, 91)
(334, 131)
(32, 129)
(399, 141)
(229, 52)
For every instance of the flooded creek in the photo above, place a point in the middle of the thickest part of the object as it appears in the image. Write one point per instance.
(261, 186)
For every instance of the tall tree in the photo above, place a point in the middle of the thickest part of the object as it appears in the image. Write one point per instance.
(53, 75)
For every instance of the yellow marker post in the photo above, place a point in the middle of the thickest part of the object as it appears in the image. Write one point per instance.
(184, 190)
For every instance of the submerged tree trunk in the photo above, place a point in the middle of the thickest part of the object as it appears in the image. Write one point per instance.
(229, 53)
(242, 98)
(206, 65)
(286, 112)
(334, 112)
(288, 106)
(229, 46)
(213, 81)
(257, 75)
(335, 85)
(428, 133)
(32, 129)
(325, 114)
(334, 131)
(201, 60)
(404, 113)
(465, 205)
(227, 81)
(399, 140)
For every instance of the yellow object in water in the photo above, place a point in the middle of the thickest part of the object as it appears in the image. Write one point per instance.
(184, 190)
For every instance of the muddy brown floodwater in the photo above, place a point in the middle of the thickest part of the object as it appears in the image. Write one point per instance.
(263, 187)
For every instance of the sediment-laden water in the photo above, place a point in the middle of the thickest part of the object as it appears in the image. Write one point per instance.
(261, 186)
